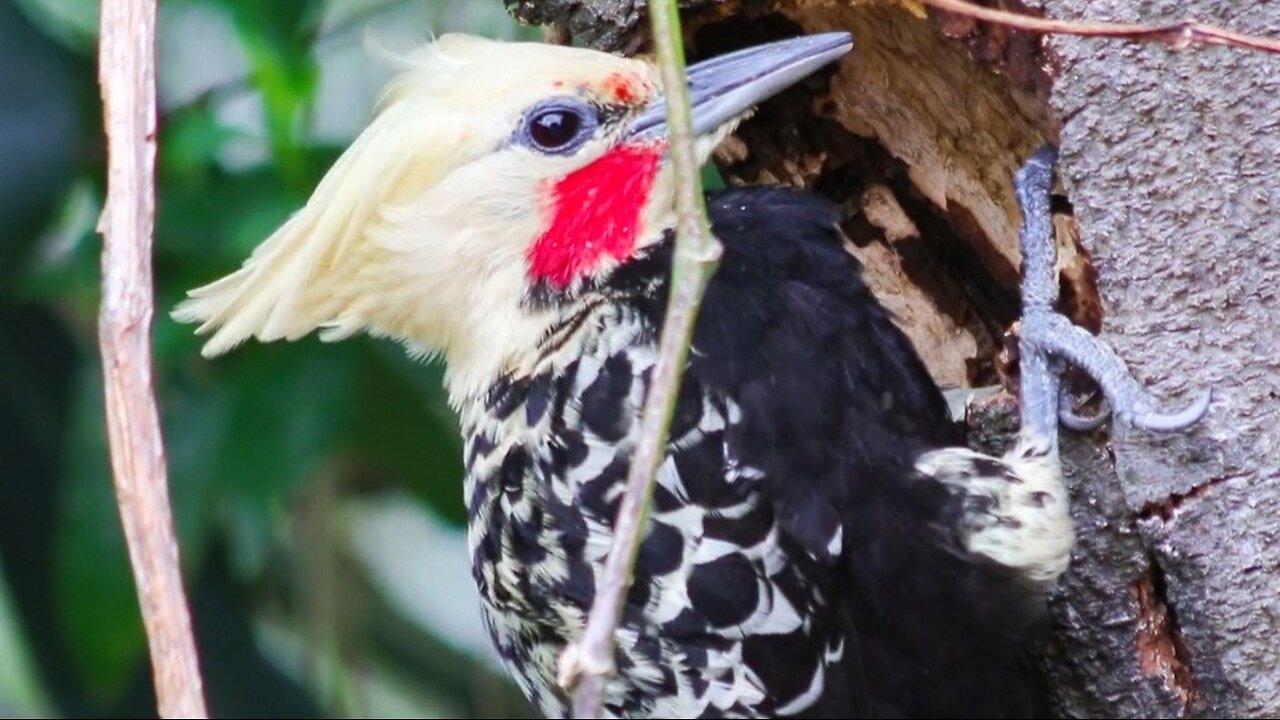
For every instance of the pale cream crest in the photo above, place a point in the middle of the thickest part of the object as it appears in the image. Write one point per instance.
(420, 230)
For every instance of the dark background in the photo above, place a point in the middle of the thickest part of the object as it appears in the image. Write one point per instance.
(316, 488)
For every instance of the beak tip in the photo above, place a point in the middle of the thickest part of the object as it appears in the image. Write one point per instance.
(840, 39)
(830, 46)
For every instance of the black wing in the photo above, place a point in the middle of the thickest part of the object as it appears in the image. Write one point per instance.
(834, 408)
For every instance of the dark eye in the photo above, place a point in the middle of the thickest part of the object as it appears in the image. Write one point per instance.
(555, 128)
(558, 126)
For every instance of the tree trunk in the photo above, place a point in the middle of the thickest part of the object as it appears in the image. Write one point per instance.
(1167, 245)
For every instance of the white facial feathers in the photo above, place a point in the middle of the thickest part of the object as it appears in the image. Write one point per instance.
(419, 229)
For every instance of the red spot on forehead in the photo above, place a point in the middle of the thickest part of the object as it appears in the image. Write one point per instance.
(595, 214)
(621, 87)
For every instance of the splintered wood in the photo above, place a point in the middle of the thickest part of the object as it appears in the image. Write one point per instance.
(918, 133)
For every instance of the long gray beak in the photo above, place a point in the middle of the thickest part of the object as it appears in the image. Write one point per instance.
(724, 87)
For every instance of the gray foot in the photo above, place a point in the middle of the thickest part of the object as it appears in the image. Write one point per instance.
(1048, 341)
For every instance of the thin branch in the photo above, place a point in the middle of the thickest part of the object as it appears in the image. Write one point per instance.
(587, 665)
(127, 75)
(1177, 35)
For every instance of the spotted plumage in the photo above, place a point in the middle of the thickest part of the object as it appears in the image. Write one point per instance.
(807, 553)
(819, 543)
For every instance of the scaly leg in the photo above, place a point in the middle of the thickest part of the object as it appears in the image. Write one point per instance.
(1015, 510)
(1048, 341)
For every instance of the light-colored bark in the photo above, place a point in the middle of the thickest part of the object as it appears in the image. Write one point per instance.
(127, 75)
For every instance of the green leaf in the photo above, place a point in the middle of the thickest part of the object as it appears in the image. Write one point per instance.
(208, 224)
(193, 139)
(65, 267)
(94, 593)
(196, 420)
(291, 406)
(405, 430)
(711, 178)
(276, 36)
(20, 690)
(74, 23)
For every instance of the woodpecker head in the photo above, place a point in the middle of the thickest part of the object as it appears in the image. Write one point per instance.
(494, 183)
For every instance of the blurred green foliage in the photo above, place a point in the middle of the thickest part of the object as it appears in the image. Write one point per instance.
(271, 447)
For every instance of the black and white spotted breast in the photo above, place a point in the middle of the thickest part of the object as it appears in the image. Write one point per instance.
(798, 561)
(722, 620)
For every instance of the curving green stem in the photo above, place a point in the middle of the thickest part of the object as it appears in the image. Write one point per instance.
(587, 665)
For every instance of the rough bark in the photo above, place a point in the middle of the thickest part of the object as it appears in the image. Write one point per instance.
(1172, 160)
(1170, 213)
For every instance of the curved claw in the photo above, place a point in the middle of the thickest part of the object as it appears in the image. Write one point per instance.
(1047, 340)
(1079, 423)
(1053, 334)
(1157, 421)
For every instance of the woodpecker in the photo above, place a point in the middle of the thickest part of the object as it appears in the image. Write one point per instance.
(820, 542)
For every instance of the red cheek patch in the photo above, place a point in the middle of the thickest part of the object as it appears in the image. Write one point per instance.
(595, 213)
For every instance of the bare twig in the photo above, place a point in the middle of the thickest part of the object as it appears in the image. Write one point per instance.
(1177, 34)
(588, 664)
(127, 74)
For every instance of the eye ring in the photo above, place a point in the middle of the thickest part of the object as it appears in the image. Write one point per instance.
(558, 127)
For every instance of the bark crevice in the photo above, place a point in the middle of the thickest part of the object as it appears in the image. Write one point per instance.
(1162, 651)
